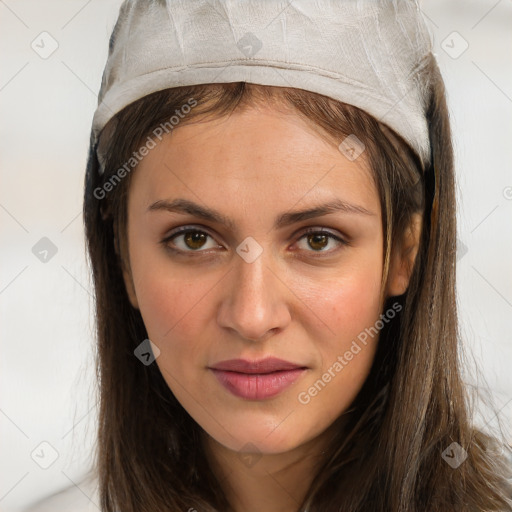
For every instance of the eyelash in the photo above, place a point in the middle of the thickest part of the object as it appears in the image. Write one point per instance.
(192, 253)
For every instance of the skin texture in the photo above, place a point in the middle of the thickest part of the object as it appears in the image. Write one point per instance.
(299, 301)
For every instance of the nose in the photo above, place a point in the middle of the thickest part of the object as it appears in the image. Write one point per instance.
(255, 301)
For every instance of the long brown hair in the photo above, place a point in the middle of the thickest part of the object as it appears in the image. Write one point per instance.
(386, 454)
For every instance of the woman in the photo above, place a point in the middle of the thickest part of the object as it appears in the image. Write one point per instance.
(270, 217)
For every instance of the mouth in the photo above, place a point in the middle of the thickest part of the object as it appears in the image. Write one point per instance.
(257, 379)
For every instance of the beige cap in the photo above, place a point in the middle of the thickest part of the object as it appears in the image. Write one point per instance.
(368, 53)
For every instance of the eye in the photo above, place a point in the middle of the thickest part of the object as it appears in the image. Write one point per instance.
(189, 240)
(318, 240)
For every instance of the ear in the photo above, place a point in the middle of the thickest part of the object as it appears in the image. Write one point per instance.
(403, 257)
(125, 267)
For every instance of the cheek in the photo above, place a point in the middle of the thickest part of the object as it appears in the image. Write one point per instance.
(347, 301)
(350, 308)
(171, 307)
(175, 314)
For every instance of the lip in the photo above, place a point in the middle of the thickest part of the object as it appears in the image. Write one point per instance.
(267, 365)
(257, 380)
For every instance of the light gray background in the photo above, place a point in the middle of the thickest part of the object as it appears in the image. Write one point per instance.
(46, 108)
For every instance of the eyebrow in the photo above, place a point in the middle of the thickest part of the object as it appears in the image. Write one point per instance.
(284, 219)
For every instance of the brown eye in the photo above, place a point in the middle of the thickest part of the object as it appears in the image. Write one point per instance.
(318, 240)
(195, 239)
(189, 241)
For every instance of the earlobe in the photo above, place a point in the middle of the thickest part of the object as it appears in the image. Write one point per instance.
(403, 258)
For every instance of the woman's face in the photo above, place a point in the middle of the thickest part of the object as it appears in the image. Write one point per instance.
(248, 281)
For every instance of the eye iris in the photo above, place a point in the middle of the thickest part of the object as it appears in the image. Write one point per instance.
(319, 240)
(193, 237)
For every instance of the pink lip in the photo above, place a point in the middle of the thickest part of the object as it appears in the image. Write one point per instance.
(257, 386)
(267, 365)
(257, 380)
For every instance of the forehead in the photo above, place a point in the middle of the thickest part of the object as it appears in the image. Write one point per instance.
(258, 155)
